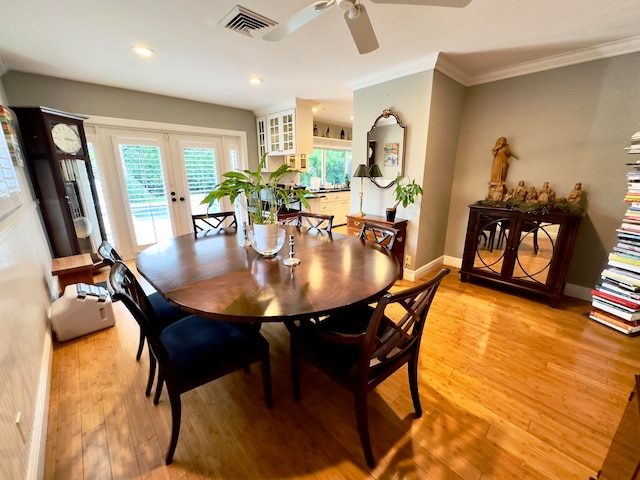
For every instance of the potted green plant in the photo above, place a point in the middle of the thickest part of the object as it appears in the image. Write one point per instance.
(405, 193)
(261, 195)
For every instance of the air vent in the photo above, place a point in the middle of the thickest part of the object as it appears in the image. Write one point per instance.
(243, 20)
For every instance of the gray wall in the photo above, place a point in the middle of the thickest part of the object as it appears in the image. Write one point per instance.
(566, 125)
(410, 99)
(25, 89)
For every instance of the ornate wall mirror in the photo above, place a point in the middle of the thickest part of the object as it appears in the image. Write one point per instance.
(386, 142)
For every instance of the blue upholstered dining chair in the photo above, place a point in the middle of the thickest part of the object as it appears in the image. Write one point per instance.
(164, 311)
(360, 350)
(192, 351)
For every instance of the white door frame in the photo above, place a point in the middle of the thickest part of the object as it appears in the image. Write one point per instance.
(108, 171)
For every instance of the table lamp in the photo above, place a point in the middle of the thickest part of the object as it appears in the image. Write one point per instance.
(361, 172)
(374, 171)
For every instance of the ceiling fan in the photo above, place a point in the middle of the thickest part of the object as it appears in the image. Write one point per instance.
(356, 17)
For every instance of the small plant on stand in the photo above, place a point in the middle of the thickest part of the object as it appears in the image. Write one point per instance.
(406, 194)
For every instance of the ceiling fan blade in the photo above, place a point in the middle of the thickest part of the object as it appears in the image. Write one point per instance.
(361, 29)
(428, 3)
(300, 19)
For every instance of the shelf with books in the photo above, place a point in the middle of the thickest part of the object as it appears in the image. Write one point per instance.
(616, 298)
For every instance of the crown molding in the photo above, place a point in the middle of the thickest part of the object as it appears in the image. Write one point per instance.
(598, 52)
(450, 69)
(417, 66)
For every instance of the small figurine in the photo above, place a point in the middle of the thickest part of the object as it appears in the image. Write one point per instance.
(576, 194)
(546, 194)
(342, 134)
(508, 196)
(521, 191)
(532, 195)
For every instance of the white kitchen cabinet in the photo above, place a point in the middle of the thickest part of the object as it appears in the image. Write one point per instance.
(337, 204)
(298, 162)
(261, 128)
(288, 130)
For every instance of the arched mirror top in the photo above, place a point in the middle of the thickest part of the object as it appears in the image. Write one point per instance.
(385, 149)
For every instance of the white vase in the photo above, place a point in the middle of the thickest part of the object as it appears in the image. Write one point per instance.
(267, 239)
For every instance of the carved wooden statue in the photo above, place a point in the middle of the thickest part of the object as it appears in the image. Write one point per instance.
(500, 166)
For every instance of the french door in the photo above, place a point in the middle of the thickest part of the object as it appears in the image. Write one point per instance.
(162, 179)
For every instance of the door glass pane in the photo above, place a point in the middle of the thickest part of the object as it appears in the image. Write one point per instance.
(146, 193)
(202, 174)
(106, 221)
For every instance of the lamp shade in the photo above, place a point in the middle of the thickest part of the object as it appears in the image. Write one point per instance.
(374, 171)
(361, 171)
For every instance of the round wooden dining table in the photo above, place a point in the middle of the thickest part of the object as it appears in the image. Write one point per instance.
(215, 277)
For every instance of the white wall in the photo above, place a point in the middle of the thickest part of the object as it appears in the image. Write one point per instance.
(25, 343)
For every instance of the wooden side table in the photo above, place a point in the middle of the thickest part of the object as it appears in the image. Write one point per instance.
(73, 269)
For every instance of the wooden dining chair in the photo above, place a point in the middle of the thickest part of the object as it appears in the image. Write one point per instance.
(362, 359)
(212, 221)
(380, 234)
(318, 221)
(164, 311)
(192, 351)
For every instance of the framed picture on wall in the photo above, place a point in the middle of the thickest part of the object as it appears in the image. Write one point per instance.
(391, 154)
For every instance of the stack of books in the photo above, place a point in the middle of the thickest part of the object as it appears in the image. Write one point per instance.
(615, 300)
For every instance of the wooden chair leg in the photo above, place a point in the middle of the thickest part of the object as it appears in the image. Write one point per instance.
(413, 384)
(363, 427)
(156, 397)
(152, 374)
(140, 345)
(176, 413)
(266, 380)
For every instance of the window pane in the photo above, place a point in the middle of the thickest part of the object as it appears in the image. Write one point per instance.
(315, 168)
(335, 166)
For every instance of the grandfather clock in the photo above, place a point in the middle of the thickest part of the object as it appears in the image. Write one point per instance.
(57, 157)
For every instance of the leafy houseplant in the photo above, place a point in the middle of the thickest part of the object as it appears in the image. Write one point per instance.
(263, 197)
(404, 193)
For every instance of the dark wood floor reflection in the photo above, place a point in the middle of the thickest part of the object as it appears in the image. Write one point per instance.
(510, 389)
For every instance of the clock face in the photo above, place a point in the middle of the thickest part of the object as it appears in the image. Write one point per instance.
(66, 138)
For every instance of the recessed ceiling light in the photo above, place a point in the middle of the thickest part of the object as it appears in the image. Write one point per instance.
(142, 51)
(314, 109)
(255, 80)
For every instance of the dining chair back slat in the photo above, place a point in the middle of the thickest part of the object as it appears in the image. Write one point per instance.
(212, 221)
(362, 359)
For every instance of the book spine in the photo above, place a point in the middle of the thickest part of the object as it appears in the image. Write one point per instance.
(607, 307)
(614, 323)
(615, 298)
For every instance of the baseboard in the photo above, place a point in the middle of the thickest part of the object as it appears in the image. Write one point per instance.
(39, 435)
(412, 275)
(570, 290)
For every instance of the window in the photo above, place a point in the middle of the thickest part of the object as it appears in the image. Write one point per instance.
(331, 166)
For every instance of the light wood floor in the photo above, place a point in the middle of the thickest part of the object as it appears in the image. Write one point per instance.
(510, 388)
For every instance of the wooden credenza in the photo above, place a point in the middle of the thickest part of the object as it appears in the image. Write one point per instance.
(355, 222)
(528, 251)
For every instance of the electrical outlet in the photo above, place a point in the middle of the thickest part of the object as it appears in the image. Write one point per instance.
(407, 260)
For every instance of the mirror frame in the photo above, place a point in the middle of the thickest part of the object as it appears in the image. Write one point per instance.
(386, 113)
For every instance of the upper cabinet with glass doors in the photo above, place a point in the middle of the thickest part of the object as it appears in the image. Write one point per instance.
(286, 131)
